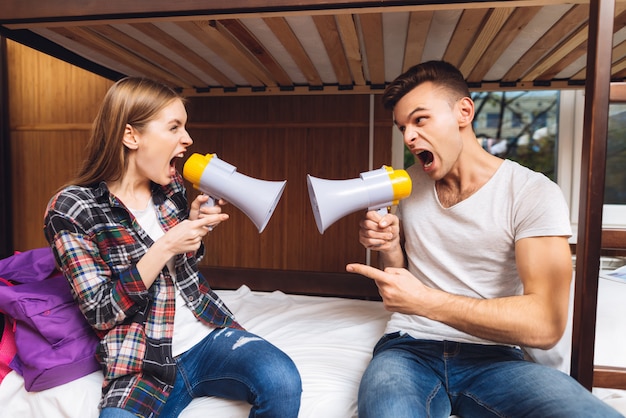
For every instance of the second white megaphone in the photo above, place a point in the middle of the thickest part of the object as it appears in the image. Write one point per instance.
(376, 189)
(220, 180)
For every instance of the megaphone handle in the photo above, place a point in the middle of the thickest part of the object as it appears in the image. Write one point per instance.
(210, 202)
(383, 211)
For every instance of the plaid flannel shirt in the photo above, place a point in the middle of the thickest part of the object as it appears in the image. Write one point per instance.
(97, 243)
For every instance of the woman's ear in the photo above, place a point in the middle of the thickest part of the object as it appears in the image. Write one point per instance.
(466, 111)
(129, 140)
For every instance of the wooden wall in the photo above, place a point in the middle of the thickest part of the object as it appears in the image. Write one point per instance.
(51, 105)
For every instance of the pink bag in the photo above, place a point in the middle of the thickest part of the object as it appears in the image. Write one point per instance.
(7, 347)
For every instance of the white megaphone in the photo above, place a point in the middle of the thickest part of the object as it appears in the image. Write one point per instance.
(374, 190)
(220, 180)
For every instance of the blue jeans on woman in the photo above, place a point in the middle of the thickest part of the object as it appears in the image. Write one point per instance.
(419, 378)
(237, 365)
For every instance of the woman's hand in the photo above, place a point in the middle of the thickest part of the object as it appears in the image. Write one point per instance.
(200, 209)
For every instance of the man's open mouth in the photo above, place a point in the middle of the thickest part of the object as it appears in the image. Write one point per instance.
(426, 157)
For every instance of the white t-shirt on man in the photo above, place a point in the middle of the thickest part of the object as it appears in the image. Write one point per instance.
(469, 248)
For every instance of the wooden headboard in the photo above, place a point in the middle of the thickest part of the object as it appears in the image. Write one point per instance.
(292, 281)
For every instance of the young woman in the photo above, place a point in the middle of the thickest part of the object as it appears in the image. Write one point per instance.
(125, 238)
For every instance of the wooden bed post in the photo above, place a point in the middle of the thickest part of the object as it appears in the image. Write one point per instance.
(6, 221)
(593, 167)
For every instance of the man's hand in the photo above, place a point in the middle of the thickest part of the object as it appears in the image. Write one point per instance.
(401, 291)
(380, 233)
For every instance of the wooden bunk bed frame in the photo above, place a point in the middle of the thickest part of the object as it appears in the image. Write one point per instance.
(599, 91)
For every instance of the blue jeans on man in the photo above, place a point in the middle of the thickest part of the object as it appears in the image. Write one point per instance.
(418, 378)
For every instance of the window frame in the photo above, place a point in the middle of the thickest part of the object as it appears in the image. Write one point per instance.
(569, 161)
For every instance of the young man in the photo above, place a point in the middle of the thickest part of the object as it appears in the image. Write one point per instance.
(479, 267)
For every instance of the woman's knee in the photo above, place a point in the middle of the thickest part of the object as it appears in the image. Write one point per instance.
(284, 376)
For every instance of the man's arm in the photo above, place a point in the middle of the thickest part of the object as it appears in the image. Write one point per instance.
(537, 318)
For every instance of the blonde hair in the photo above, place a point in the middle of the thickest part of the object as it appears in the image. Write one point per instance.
(134, 101)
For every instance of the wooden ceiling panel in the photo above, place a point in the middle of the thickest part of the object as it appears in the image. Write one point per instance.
(280, 27)
(372, 29)
(251, 46)
(419, 26)
(350, 39)
(329, 31)
(465, 33)
(573, 19)
(488, 31)
(150, 55)
(113, 51)
(519, 19)
(311, 48)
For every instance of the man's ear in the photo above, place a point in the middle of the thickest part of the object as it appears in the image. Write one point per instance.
(466, 111)
(129, 139)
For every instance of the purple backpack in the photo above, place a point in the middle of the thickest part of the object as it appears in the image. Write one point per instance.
(55, 344)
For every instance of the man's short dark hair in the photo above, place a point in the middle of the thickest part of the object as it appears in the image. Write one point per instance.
(441, 73)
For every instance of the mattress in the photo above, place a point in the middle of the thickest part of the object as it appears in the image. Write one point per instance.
(330, 340)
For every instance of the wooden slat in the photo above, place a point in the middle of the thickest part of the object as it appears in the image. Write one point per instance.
(618, 63)
(467, 28)
(284, 33)
(189, 54)
(150, 55)
(619, 51)
(564, 62)
(292, 281)
(419, 25)
(562, 59)
(497, 18)
(618, 93)
(571, 20)
(259, 52)
(350, 39)
(222, 36)
(560, 53)
(204, 32)
(609, 377)
(112, 51)
(66, 127)
(618, 70)
(327, 28)
(511, 29)
(372, 29)
(614, 239)
(70, 10)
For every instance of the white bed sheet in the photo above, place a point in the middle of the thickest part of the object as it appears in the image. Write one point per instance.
(329, 339)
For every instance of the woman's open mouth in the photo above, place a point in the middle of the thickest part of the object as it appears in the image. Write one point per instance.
(174, 160)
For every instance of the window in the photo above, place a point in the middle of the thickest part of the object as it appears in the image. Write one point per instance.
(615, 182)
(493, 120)
(526, 128)
(614, 211)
